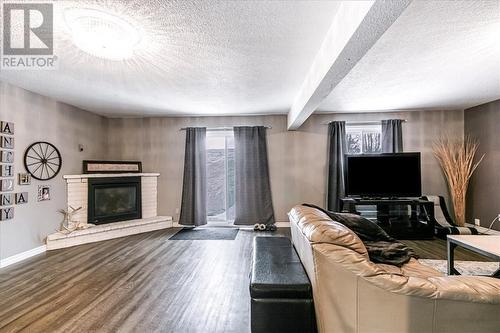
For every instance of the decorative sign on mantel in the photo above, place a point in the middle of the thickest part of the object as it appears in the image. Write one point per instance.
(111, 167)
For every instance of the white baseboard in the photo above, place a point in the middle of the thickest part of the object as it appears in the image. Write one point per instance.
(22, 256)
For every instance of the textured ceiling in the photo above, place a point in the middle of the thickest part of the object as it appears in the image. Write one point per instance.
(251, 57)
(438, 54)
(196, 57)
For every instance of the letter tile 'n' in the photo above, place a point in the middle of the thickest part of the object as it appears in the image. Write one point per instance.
(7, 142)
(6, 199)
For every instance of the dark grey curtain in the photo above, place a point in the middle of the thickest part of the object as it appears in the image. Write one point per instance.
(337, 148)
(253, 202)
(392, 136)
(194, 189)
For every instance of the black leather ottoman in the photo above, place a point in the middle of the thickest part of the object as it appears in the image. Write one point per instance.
(280, 289)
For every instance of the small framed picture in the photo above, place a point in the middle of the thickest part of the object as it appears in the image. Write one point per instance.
(24, 179)
(43, 192)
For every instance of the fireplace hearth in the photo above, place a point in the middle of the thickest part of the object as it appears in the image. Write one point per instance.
(114, 199)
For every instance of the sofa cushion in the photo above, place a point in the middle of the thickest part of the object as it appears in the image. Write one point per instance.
(317, 227)
(364, 228)
(381, 247)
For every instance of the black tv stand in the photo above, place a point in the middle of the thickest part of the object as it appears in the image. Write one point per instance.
(402, 218)
(380, 199)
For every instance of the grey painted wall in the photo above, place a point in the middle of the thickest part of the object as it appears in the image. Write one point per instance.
(483, 199)
(39, 118)
(297, 159)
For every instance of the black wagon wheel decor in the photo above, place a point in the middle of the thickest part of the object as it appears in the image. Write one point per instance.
(42, 160)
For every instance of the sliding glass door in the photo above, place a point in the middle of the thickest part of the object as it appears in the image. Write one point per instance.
(220, 176)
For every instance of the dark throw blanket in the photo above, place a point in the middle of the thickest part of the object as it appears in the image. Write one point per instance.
(381, 247)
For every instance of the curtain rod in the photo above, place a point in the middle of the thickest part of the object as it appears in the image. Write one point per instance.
(362, 122)
(220, 128)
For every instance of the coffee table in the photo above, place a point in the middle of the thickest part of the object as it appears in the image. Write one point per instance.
(486, 245)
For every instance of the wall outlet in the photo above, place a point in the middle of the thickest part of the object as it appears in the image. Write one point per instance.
(477, 222)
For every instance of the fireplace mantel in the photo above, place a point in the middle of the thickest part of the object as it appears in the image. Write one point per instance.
(110, 175)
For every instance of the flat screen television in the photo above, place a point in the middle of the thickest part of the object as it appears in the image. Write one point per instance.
(384, 175)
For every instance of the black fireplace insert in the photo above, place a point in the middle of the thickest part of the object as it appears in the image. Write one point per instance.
(114, 199)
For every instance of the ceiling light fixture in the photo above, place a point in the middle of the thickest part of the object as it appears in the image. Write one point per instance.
(102, 34)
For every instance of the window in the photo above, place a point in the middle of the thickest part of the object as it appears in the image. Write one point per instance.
(220, 175)
(364, 139)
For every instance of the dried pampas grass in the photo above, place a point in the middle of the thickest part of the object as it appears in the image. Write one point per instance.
(456, 157)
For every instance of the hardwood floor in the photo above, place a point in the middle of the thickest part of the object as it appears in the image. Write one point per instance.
(436, 249)
(140, 283)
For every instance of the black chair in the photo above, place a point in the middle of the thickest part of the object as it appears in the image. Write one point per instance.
(444, 224)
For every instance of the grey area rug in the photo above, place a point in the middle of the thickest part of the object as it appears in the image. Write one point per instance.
(464, 267)
(206, 234)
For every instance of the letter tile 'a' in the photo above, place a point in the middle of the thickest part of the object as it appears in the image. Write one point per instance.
(21, 198)
(7, 128)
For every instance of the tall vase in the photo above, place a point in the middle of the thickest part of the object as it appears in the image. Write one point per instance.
(456, 158)
(459, 203)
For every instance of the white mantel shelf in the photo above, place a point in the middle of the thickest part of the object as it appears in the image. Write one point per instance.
(110, 175)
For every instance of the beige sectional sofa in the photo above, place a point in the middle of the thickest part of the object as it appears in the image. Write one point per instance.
(353, 294)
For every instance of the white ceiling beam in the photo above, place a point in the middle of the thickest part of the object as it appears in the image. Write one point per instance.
(355, 29)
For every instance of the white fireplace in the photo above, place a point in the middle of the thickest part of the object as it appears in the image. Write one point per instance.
(78, 196)
(78, 185)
